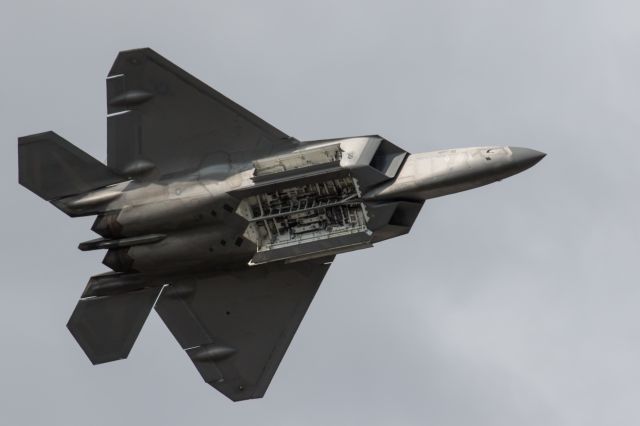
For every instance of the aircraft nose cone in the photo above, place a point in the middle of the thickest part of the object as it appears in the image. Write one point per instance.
(523, 158)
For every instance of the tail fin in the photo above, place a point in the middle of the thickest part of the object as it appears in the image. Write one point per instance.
(52, 167)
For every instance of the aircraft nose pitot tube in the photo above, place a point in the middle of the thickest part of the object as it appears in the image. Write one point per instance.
(434, 174)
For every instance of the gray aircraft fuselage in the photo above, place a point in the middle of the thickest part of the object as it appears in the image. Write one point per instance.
(202, 204)
(186, 213)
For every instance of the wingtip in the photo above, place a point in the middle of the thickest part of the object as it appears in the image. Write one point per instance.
(35, 137)
(123, 55)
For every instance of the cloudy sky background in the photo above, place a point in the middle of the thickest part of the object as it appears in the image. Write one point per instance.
(516, 303)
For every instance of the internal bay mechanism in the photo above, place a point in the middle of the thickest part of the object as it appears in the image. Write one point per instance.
(308, 213)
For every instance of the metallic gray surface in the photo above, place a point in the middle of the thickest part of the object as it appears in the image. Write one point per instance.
(471, 344)
(106, 327)
(152, 103)
(236, 326)
(435, 174)
(53, 168)
(200, 215)
(103, 243)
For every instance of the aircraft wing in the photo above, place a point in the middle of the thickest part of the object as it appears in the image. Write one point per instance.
(236, 325)
(163, 120)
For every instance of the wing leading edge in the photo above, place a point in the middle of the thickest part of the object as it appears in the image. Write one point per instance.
(236, 326)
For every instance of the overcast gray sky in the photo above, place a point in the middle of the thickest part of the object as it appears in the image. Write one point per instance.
(513, 304)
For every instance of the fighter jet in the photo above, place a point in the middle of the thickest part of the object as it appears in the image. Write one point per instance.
(223, 223)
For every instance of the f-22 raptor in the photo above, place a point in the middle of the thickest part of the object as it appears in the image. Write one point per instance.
(223, 223)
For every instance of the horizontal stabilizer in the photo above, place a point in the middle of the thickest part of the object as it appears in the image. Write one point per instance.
(106, 327)
(52, 167)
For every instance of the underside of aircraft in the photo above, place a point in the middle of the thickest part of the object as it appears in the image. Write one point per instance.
(223, 223)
